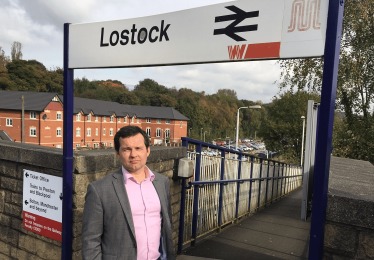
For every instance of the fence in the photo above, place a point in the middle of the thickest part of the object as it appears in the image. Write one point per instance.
(222, 190)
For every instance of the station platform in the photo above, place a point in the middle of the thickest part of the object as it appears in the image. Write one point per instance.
(275, 232)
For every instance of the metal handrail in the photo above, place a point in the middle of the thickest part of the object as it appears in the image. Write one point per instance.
(207, 205)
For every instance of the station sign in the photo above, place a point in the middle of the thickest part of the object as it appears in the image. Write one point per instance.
(231, 31)
(42, 204)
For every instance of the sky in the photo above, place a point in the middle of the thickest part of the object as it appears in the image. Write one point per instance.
(38, 25)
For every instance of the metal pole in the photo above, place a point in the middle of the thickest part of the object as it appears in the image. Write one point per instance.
(195, 210)
(23, 120)
(201, 138)
(237, 128)
(67, 202)
(302, 141)
(183, 208)
(325, 127)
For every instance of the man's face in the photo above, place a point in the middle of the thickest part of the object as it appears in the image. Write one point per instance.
(133, 153)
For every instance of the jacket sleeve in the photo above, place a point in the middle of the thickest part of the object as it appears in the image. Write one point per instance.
(92, 225)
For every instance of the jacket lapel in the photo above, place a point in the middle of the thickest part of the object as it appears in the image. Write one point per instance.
(119, 187)
(161, 194)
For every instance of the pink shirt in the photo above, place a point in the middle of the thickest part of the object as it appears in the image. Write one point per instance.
(146, 214)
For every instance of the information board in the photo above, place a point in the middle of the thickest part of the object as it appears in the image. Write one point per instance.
(231, 31)
(42, 204)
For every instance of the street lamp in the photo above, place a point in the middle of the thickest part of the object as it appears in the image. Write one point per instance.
(189, 132)
(302, 141)
(201, 138)
(204, 135)
(237, 123)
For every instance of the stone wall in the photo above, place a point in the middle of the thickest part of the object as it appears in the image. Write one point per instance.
(349, 227)
(18, 243)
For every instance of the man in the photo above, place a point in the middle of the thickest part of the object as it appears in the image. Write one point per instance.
(127, 214)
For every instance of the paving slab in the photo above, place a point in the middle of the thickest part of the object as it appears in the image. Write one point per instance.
(275, 232)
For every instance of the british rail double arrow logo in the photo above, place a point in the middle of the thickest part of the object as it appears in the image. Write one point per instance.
(238, 17)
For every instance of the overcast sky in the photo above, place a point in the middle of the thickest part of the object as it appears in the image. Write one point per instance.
(38, 25)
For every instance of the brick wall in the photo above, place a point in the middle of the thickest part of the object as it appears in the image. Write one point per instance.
(18, 243)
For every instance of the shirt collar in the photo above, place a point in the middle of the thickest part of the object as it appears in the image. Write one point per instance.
(127, 175)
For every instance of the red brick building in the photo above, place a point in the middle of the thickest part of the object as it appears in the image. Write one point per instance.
(95, 121)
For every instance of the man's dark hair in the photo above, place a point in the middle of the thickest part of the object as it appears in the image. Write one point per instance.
(128, 131)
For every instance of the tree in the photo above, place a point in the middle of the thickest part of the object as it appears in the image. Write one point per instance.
(282, 129)
(3, 59)
(355, 89)
(16, 51)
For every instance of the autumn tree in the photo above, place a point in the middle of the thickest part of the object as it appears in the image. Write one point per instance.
(355, 88)
(16, 51)
(282, 129)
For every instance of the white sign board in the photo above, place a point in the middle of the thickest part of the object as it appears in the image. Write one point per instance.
(232, 31)
(42, 204)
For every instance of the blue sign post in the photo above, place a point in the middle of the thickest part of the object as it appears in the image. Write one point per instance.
(325, 127)
(67, 203)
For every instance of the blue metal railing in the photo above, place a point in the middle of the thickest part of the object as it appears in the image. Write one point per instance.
(223, 190)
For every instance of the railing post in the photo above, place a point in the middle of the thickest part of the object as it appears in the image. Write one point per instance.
(267, 183)
(282, 179)
(195, 210)
(272, 184)
(259, 185)
(279, 166)
(250, 187)
(223, 159)
(238, 187)
(183, 208)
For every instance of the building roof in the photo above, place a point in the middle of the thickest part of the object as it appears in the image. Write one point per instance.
(37, 101)
(4, 136)
(157, 112)
(34, 101)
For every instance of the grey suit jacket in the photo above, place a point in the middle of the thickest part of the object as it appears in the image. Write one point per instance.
(108, 228)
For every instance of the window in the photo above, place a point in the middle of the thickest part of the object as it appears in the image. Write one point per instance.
(77, 145)
(58, 132)
(167, 133)
(125, 119)
(148, 120)
(137, 120)
(32, 131)
(9, 122)
(111, 119)
(97, 131)
(111, 132)
(148, 130)
(158, 132)
(88, 131)
(78, 117)
(158, 121)
(88, 118)
(104, 119)
(58, 146)
(33, 115)
(167, 121)
(132, 120)
(111, 144)
(88, 145)
(78, 132)
(104, 132)
(181, 124)
(96, 145)
(96, 118)
(119, 120)
(59, 116)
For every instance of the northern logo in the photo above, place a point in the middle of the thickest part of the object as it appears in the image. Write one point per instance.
(305, 13)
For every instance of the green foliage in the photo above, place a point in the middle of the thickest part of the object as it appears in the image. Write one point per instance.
(355, 89)
(282, 129)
